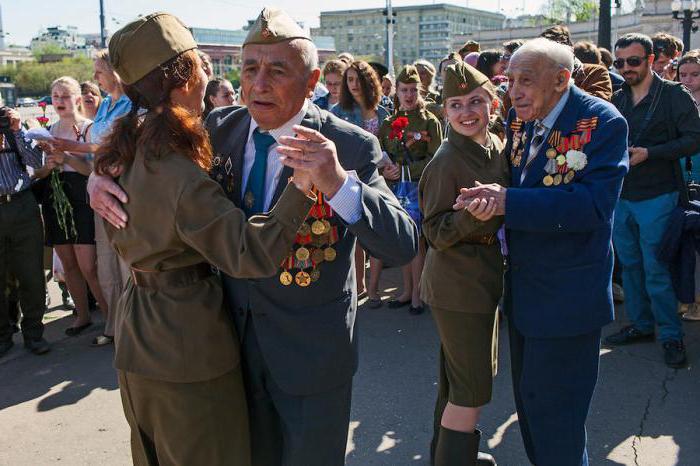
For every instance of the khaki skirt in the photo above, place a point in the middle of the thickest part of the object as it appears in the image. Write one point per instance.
(468, 356)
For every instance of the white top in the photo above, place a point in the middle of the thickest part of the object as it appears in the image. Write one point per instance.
(65, 167)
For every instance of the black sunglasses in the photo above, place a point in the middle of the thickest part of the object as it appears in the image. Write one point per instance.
(631, 61)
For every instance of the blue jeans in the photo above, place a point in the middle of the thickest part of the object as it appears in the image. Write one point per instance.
(649, 296)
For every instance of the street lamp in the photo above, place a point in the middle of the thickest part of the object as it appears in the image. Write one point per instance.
(686, 11)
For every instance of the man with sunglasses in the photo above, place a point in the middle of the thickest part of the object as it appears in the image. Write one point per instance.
(664, 126)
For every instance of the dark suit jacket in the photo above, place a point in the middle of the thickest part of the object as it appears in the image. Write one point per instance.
(560, 237)
(306, 334)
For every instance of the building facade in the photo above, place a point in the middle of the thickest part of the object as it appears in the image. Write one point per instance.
(648, 18)
(224, 47)
(425, 31)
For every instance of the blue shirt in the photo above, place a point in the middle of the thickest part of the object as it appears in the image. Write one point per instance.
(105, 116)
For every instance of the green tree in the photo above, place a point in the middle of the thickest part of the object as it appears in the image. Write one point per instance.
(34, 79)
(235, 77)
(48, 49)
(564, 11)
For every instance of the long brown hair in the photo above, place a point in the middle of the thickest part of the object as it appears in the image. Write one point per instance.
(165, 127)
(369, 83)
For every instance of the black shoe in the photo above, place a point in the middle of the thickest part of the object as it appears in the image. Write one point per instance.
(395, 303)
(628, 335)
(75, 331)
(674, 354)
(5, 346)
(416, 310)
(37, 346)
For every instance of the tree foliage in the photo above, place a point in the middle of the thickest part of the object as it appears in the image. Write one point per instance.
(34, 79)
(563, 11)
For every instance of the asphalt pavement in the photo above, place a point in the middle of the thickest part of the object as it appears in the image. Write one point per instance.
(64, 407)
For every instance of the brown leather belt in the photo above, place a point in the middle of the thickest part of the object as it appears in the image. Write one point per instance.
(487, 240)
(175, 278)
(7, 198)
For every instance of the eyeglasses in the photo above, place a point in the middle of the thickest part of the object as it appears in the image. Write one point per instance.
(631, 61)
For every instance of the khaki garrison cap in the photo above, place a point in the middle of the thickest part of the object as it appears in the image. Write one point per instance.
(409, 74)
(272, 26)
(461, 79)
(142, 45)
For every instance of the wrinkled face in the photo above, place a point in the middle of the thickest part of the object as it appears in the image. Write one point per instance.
(65, 101)
(191, 96)
(226, 95)
(354, 85)
(689, 74)
(661, 62)
(334, 82)
(90, 102)
(633, 74)
(275, 82)
(407, 94)
(469, 114)
(387, 87)
(105, 77)
(535, 85)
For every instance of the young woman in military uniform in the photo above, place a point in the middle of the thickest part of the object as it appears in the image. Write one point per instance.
(463, 277)
(177, 355)
(418, 142)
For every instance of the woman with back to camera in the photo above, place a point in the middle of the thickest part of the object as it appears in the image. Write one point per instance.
(177, 353)
(463, 277)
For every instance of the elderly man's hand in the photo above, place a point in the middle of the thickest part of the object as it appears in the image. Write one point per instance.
(638, 155)
(106, 198)
(312, 152)
(487, 200)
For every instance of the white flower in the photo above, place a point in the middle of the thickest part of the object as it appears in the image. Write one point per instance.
(576, 160)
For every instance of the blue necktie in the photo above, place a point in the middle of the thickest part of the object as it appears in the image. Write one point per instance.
(254, 198)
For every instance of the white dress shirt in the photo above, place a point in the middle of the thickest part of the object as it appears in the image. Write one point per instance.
(347, 202)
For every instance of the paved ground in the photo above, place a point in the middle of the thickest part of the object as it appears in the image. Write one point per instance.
(64, 408)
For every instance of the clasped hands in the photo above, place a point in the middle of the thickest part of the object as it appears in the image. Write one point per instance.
(483, 201)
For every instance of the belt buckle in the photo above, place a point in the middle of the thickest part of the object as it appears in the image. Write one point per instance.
(5, 198)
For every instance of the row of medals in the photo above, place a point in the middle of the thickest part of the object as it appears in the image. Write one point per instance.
(557, 172)
(322, 240)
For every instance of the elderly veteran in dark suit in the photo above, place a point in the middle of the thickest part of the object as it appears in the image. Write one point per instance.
(297, 326)
(462, 280)
(568, 153)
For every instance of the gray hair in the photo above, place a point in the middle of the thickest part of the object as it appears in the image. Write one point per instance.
(308, 53)
(558, 55)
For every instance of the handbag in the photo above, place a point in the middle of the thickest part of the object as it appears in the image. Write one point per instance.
(406, 191)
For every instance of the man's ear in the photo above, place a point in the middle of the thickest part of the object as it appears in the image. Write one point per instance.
(562, 79)
(311, 83)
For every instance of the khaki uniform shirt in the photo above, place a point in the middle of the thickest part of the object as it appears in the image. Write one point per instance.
(458, 275)
(420, 122)
(179, 217)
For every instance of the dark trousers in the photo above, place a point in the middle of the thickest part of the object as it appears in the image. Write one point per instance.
(553, 383)
(291, 430)
(22, 256)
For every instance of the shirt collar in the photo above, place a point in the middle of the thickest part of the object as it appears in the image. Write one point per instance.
(287, 128)
(552, 116)
(655, 82)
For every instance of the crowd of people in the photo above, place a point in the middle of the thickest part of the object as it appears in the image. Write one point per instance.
(498, 181)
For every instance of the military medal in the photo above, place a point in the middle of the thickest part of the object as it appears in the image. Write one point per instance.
(329, 254)
(302, 279)
(249, 200)
(217, 161)
(302, 254)
(286, 278)
(561, 160)
(318, 228)
(551, 153)
(304, 229)
(548, 180)
(557, 179)
(569, 177)
(315, 275)
(317, 256)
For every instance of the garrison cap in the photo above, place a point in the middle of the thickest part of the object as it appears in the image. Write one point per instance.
(272, 26)
(142, 45)
(409, 74)
(461, 79)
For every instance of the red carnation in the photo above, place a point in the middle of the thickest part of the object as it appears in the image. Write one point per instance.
(397, 127)
(43, 121)
(42, 104)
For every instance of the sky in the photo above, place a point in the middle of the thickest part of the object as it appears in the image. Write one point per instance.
(23, 19)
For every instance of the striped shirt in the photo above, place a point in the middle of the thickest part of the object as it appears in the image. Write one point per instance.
(13, 176)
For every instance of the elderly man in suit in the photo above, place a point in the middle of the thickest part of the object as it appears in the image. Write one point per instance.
(297, 327)
(568, 155)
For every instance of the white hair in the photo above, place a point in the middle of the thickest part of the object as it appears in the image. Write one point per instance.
(308, 53)
(557, 54)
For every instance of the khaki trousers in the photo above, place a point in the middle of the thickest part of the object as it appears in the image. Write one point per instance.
(112, 273)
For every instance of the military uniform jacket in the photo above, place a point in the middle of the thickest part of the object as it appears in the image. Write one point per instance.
(459, 275)
(559, 227)
(179, 217)
(306, 334)
(422, 138)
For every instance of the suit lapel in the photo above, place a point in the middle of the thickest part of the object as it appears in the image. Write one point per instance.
(565, 124)
(311, 120)
(234, 148)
